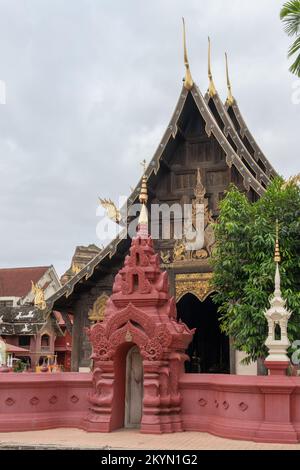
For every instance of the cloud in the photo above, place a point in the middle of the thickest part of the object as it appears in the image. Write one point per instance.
(90, 88)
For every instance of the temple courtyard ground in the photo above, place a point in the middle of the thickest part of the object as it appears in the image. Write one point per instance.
(127, 439)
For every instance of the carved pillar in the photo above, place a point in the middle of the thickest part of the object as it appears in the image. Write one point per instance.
(100, 416)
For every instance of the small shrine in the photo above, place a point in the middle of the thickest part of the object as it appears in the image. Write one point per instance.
(139, 347)
(277, 317)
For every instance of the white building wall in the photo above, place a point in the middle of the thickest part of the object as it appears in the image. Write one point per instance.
(241, 369)
(9, 299)
(50, 277)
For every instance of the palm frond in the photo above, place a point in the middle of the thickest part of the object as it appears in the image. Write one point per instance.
(290, 15)
(295, 48)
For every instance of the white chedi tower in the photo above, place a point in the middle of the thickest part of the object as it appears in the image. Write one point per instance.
(277, 317)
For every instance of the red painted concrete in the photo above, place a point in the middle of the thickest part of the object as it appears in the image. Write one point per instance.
(31, 401)
(277, 367)
(262, 409)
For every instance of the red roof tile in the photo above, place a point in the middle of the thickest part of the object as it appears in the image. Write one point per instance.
(16, 282)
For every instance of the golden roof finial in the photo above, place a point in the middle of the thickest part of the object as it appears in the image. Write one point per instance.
(277, 257)
(143, 197)
(230, 98)
(211, 86)
(188, 81)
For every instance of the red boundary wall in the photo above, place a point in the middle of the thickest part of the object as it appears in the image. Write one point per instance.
(30, 401)
(264, 409)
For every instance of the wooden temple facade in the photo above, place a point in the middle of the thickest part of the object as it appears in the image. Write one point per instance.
(206, 147)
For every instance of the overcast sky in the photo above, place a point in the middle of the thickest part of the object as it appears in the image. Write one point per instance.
(90, 87)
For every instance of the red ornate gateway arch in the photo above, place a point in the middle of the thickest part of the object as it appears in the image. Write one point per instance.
(141, 313)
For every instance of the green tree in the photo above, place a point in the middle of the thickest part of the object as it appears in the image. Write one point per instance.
(244, 268)
(290, 15)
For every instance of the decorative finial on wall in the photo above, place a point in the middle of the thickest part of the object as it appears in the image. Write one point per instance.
(277, 317)
(277, 257)
(230, 98)
(143, 197)
(211, 86)
(188, 81)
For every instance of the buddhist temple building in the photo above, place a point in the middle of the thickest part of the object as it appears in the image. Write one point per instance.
(33, 333)
(82, 256)
(206, 146)
(35, 337)
(16, 284)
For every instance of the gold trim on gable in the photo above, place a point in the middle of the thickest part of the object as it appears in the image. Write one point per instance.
(198, 284)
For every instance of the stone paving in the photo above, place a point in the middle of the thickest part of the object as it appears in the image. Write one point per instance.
(128, 439)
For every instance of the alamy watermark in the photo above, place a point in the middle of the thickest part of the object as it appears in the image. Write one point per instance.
(2, 92)
(178, 222)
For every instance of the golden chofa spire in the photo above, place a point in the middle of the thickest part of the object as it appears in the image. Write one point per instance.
(211, 86)
(277, 257)
(188, 81)
(230, 98)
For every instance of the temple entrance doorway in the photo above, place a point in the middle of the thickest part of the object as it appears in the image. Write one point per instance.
(209, 349)
(134, 388)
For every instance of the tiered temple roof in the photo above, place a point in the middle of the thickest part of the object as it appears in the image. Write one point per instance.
(25, 320)
(82, 256)
(225, 124)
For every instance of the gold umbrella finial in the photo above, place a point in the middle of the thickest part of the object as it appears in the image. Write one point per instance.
(277, 257)
(188, 81)
(143, 197)
(211, 86)
(230, 98)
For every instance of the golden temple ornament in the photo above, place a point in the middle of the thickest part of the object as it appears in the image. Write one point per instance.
(111, 209)
(230, 98)
(76, 268)
(188, 81)
(211, 86)
(277, 257)
(143, 197)
(39, 296)
(198, 284)
(96, 313)
(293, 180)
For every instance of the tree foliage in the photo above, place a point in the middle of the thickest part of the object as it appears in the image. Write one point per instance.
(290, 15)
(244, 268)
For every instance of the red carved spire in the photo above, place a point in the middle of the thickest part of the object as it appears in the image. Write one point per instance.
(139, 313)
